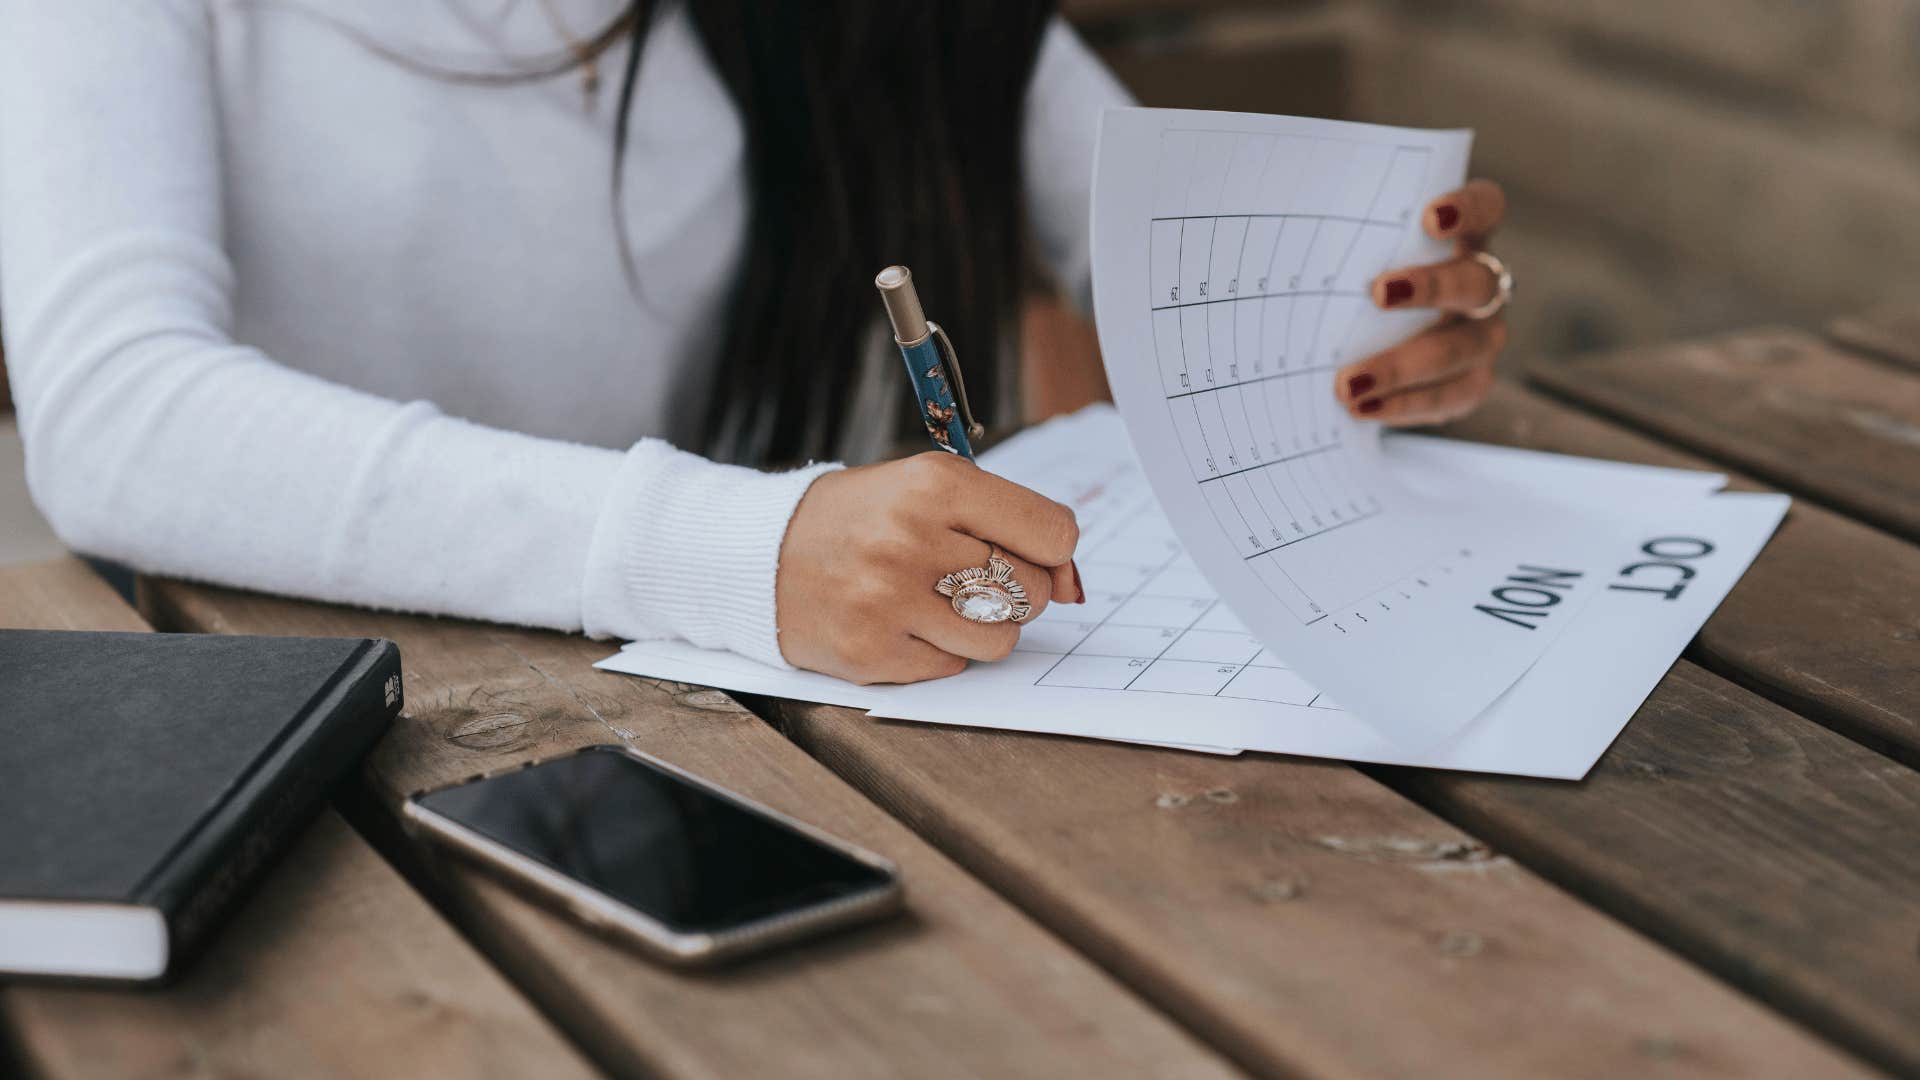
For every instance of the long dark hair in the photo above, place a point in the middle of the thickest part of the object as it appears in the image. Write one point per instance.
(878, 132)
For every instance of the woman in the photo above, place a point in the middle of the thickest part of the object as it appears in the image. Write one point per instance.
(328, 298)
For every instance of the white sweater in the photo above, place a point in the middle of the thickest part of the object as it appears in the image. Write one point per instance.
(285, 315)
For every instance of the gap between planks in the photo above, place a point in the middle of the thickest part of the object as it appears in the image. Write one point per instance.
(1304, 917)
(1789, 407)
(964, 984)
(1891, 334)
(1824, 623)
(1863, 903)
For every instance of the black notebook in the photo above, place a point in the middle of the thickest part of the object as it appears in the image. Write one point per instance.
(147, 779)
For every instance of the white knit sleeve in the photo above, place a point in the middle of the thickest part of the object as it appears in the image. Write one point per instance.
(690, 548)
(155, 439)
(1070, 89)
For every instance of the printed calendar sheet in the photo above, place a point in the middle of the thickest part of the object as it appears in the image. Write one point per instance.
(1154, 657)
(1232, 259)
(1155, 654)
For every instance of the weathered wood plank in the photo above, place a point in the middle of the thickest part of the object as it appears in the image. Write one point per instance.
(1782, 404)
(335, 968)
(1301, 916)
(62, 594)
(1889, 333)
(1827, 620)
(966, 985)
(1770, 850)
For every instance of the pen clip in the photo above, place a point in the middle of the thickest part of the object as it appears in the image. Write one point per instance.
(951, 360)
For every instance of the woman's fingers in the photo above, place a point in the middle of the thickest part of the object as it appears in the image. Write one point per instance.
(1470, 214)
(914, 661)
(1455, 285)
(1467, 216)
(1065, 583)
(934, 621)
(1444, 372)
(855, 594)
(1446, 354)
(1017, 519)
(1438, 403)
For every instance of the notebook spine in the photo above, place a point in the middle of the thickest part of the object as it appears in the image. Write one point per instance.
(279, 797)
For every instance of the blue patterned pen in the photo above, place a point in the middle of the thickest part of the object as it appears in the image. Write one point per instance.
(939, 395)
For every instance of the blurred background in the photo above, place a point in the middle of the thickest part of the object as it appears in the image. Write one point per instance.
(1676, 167)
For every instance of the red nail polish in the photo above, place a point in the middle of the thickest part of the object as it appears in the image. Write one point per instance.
(1368, 408)
(1079, 590)
(1446, 215)
(1398, 291)
(1360, 384)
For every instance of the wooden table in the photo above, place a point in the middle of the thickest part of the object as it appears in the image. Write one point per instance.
(1734, 891)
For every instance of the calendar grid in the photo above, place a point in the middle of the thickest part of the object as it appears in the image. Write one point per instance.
(1261, 443)
(1164, 631)
(1288, 374)
(1239, 297)
(1316, 217)
(1309, 536)
(1276, 461)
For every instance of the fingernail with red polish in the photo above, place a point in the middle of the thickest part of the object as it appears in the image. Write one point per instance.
(1446, 215)
(1398, 291)
(1360, 384)
(1368, 408)
(1079, 590)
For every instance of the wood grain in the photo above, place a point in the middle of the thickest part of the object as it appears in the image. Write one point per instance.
(1784, 405)
(1826, 621)
(334, 968)
(1301, 916)
(1772, 851)
(1889, 333)
(966, 985)
(62, 594)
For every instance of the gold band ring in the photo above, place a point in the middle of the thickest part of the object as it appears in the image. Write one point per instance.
(1502, 285)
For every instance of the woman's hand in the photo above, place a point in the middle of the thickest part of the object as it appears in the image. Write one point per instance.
(866, 546)
(1443, 372)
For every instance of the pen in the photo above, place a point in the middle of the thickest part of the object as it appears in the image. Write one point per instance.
(933, 369)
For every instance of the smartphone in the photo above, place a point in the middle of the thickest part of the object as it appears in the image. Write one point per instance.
(638, 849)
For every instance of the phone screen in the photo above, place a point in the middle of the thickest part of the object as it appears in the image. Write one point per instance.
(690, 859)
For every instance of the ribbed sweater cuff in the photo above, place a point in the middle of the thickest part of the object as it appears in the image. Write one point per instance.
(688, 548)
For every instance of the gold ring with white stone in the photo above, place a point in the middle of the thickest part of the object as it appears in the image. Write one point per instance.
(1502, 285)
(986, 594)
